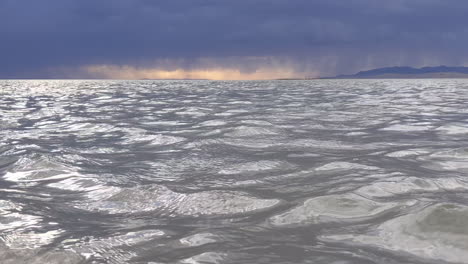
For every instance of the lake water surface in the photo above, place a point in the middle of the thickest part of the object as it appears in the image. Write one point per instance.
(320, 171)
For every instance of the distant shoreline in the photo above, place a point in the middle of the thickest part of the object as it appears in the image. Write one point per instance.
(262, 80)
(438, 72)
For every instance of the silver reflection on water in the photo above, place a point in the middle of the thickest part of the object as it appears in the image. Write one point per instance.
(322, 171)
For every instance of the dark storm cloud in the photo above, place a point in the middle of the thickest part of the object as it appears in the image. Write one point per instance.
(350, 34)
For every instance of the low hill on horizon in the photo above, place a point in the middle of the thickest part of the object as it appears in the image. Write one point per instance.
(409, 72)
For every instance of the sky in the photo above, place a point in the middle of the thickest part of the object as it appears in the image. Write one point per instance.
(226, 39)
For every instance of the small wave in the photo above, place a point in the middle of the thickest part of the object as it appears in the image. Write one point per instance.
(156, 197)
(333, 208)
(436, 233)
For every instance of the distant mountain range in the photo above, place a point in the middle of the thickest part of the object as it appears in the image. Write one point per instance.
(409, 72)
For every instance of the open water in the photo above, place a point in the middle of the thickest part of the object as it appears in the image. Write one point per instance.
(320, 171)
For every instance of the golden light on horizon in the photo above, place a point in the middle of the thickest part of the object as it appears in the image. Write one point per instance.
(130, 72)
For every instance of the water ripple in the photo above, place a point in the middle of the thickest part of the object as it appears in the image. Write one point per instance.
(326, 171)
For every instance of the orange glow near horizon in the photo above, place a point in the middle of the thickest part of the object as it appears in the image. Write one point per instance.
(131, 73)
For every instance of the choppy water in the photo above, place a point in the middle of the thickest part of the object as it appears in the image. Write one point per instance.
(329, 171)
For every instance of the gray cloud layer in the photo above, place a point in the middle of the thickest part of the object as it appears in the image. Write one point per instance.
(330, 36)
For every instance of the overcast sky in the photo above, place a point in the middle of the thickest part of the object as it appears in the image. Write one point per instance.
(144, 38)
